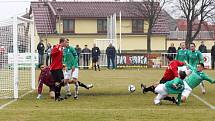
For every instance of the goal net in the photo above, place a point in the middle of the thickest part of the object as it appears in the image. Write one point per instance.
(17, 58)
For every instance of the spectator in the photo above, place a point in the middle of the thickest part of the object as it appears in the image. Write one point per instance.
(48, 53)
(213, 56)
(86, 56)
(172, 49)
(111, 54)
(179, 46)
(40, 48)
(78, 50)
(202, 48)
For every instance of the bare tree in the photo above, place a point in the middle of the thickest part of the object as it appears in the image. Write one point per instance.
(195, 12)
(150, 9)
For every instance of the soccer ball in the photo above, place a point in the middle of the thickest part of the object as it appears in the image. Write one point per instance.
(131, 88)
(52, 94)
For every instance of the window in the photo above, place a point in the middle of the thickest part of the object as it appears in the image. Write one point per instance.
(137, 25)
(102, 26)
(68, 26)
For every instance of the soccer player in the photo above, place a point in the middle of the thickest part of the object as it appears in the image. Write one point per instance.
(195, 57)
(57, 66)
(170, 73)
(182, 53)
(95, 56)
(45, 78)
(70, 60)
(194, 79)
(175, 86)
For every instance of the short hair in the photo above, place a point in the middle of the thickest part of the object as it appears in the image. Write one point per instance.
(67, 39)
(182, 74)
(85, 45)
(202, 64)
(170, 57)
(40, 65)
(62, 40)
(193, 44)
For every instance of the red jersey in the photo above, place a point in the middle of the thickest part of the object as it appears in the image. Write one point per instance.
(172, 70)
(45, 78)
(57, 57)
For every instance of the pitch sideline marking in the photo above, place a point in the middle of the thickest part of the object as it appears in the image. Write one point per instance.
(202, 100)
(14, 100)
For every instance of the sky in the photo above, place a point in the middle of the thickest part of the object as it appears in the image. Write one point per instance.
(10, 8)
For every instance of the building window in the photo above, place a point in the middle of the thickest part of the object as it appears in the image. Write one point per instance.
(68, 26)
(137, 26)
(102, 26)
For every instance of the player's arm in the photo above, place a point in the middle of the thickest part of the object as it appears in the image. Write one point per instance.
(190, 67)
(74, 53)
(207, 78)
(201, 57)
(40, 88)
(179, 99)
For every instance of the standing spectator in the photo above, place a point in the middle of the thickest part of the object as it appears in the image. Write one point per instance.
(86, 56)
(40, 48)
(48, 54)
(179, 46)
(78, 50)
(172, 49)
(111, 54)
(202, 48)
(213, 56)
(95, 56)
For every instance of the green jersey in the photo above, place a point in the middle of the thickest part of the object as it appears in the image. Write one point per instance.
(196, 77)
(182, 55)
(195, 57)
(172, 90)
(70, 57)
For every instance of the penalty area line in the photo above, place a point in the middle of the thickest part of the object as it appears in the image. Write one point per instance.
(202, 100)
(14, 100)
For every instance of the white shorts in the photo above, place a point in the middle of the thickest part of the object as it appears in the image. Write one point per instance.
(161, 89)
(187, 90)
(69, 74)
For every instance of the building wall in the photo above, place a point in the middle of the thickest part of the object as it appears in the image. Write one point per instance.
(129, 42)
(90, 26)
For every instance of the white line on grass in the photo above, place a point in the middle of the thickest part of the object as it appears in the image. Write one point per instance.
(14, 100)
(205, 102)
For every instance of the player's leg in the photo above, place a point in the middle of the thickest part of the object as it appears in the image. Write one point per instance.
(67, 77)
(57, 76)
(97, 63)
(202, 88)
(94, 63)
(186, 92)
(162, 93)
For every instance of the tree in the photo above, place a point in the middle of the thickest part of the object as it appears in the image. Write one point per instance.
(150, 9)
(195, 12)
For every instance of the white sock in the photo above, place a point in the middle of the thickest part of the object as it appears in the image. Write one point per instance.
(67, 88)
(158, 98)
(202, 87)
(76, 89)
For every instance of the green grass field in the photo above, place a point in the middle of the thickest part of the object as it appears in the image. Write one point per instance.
(109, 100)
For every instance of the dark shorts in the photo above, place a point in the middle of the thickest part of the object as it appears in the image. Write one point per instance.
(162, 81)
(95, 59)
(57, 75)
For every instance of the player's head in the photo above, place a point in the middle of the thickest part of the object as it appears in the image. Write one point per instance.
(183, 46)
(200, 67)
(182, 75)
(62, 42)
(94, 45)
(169, 57)
(42, 67)
(192, 46)
(67, 42)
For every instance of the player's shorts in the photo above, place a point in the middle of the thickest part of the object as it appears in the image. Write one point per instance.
(187, 90)
(69, 74)
(95, 59)
(57, 75)
(161, 89)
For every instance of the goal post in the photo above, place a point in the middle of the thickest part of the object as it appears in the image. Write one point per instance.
(17, 57)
